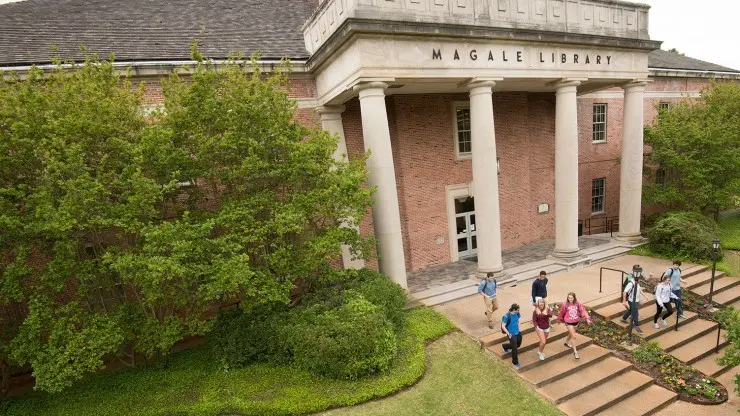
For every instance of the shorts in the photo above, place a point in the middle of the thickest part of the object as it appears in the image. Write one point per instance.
(572, 324)
(546, 330)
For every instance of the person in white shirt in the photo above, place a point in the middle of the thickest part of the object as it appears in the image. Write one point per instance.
(663, 296)
(631, 300)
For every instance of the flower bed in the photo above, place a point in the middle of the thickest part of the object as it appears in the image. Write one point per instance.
(690, 384)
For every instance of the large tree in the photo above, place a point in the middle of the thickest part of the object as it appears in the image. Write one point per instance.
(696, 147)
(119, 231)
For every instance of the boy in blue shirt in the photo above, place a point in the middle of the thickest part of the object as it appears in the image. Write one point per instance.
(675, 274)
(487, 289)
(510, 326)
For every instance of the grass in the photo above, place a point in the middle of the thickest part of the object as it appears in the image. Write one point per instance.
(730, 264)
(461, 380)
(729, 229)
(194, 384)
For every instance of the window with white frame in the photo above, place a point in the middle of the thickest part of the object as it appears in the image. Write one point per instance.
(660, 176)
(597, 195)
(664, 105)
(463, 145)
(599, 134)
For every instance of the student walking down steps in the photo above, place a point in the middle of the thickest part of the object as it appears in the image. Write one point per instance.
(571, 314)
(663, 296)
(541, 320)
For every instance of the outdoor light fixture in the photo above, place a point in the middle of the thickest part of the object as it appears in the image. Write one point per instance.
(637, 271)
(715, 251)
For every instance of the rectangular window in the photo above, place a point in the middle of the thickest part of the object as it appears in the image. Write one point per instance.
(664, 105)
(597, 195)
(462, 129)
(599, 123)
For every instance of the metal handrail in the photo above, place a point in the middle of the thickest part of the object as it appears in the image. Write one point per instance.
(601, 275)
(719, 330)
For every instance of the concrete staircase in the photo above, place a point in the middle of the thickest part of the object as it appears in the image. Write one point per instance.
(694, 342)
(726, 288)
(597, 383)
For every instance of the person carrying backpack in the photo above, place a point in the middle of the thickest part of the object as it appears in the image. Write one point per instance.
(674, 273)
(631, 294)
(510, 327)
(487, 289)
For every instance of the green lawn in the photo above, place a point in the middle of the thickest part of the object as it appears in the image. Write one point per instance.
(729, 229)
(194, 384)
(461, 380)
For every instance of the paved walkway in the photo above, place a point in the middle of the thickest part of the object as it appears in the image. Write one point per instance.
(453, 272)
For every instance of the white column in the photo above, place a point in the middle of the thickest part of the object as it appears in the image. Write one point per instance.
(566, 170)
(630, 188)
(386, 216)
(485, 177)
(331, 121)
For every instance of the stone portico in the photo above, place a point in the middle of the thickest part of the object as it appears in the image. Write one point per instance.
(374, 49)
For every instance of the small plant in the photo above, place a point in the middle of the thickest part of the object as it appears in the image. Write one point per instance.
(649, 352)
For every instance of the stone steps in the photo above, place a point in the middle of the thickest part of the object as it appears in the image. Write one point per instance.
(699, 279)
(553, 351)
(449, 292)
(727, 297)
(708, 365)
(606, 395)
(617, 309)
(672, 340)
(530, 341)
(700, 348)
(585, 380)
(646, 323)
(553, 370)
(720, 285)
(646, 402)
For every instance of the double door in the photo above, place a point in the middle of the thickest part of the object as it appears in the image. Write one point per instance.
(467, 246)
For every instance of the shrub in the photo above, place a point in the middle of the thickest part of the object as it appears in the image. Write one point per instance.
(244, 336)
(649, 352)
(683, 234)
(351, 341)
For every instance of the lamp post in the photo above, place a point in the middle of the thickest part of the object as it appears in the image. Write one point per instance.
(715, 251)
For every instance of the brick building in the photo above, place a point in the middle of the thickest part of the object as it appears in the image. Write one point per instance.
(491, 123)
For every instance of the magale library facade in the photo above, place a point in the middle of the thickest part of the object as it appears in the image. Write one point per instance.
(491, 124)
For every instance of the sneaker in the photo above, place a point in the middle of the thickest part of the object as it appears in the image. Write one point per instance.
(656, 326)
(568, 345)
(541, 355)
(575, 354)
(506, 350)
(681, 316)
(517, 366)
(662, 321)
(490, 326)
(638, 330)
(624, 321)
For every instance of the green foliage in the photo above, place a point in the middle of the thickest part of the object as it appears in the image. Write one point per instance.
(729, 229)
(683, 234)
(241, 337)
(698, 145)
(194, 385)
(730, 317)
(350, 342)
(649, 352)
(153, 219)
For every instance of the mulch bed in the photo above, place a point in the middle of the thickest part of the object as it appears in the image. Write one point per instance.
(690, 384)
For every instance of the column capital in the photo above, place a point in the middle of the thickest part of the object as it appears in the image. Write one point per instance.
(371, 88)
(474, 83)
(565, 84)
(635, 85)
(331, 112)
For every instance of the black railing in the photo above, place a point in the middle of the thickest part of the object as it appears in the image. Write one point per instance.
(601, 275)
(719, 329)
(604, 224)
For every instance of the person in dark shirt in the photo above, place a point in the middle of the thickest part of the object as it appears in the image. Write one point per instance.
(539, 288)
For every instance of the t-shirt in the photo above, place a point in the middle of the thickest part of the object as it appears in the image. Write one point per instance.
(488, 288)
(542, 320)
(632, 296)
(512, 322)
(675, 275)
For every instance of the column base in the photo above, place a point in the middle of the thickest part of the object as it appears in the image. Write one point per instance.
(499, 274)
(631, 239)
(576, 261)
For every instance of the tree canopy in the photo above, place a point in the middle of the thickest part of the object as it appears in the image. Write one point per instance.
(696, 147)
(120, 230)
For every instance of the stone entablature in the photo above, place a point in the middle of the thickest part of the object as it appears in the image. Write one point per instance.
(593, 17)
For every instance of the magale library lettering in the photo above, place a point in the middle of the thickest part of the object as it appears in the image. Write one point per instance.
(519, 56)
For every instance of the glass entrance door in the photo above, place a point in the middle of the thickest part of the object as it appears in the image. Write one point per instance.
(465, 224)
